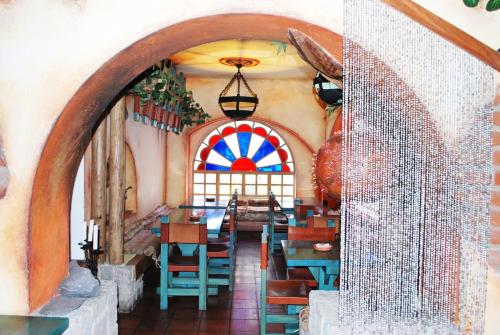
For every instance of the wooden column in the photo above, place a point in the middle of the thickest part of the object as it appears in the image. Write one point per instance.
(117, 182)
(98, 200)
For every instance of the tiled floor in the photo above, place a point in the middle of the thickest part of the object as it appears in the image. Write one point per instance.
(234, 312)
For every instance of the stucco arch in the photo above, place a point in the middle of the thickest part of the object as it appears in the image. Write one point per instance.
(63, 150)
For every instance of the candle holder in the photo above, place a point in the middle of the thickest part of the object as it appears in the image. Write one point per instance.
(91, 257)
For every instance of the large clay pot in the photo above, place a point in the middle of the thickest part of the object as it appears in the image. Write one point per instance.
(328, 167)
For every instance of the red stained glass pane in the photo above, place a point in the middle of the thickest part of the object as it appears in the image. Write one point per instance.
(285, 168)
(260, 131)
(228, 131)
(283, 155)
(201, 166)
(243, 164)
(245, 128)
(204, 153)
(274, 141)
(213, 140)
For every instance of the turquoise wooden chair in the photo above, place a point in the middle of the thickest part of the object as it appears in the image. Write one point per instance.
(292, 293)
(196, 285)
(278, 231)
(221, 255)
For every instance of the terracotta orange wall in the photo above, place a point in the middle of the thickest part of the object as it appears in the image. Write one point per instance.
(287, 102)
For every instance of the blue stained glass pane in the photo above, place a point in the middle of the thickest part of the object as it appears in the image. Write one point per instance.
(265, 149)
(271, 168)
(222, 148)
(214, 167)
(244, 140)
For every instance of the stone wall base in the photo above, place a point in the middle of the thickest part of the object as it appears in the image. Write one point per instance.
(130, 288)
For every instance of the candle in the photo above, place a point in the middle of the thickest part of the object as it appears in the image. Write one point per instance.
(95, 240)
(91, 231)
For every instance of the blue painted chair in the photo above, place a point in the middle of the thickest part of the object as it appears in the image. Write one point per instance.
(278, 230)
(195, 285)
(292, 293)
(221, 255)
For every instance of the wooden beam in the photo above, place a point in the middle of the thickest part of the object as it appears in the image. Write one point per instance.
(98, 177)
(447, 31)
(116, 182)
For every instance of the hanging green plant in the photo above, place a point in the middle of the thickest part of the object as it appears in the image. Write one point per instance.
(491, 6)
(193, 113)
(164, 101)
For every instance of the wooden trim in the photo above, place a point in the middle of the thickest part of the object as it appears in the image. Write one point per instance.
(447, 31)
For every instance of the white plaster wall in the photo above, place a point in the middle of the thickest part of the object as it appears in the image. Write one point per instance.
(77, 232)
(148, 146)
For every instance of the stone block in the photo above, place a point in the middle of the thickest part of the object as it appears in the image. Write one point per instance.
(323, 309)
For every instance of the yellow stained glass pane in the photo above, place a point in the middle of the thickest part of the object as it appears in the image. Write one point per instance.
(262, 179)
(287, 190)
(250, 190)
(236, 178)
(262, 190)
(199, 178)
(210, 178)
(288, 179)
(199, 189)
(210, 189)
(225, 178)
(275, 179)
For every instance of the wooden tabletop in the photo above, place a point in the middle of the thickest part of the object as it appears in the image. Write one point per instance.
(215, 217)
(220, 204)
(301, 253)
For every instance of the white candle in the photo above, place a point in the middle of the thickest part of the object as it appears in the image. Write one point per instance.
(91, 230)
(95, 240)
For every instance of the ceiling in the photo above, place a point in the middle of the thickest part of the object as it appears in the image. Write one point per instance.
(203, 60)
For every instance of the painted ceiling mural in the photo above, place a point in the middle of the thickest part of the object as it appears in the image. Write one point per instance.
(244, 146)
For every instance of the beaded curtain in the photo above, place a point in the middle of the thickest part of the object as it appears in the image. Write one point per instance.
(416, 178)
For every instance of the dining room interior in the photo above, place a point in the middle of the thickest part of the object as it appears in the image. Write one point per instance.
(313, 169)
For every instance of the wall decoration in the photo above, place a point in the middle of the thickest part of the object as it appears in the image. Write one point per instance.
(244, 146)
(416, 178)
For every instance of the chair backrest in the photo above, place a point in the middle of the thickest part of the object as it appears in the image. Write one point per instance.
(263, 248)
(303, 211)
(194, 233)
(327, 221)
(310, 233)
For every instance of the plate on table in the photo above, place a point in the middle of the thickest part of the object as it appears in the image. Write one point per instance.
(322, 246)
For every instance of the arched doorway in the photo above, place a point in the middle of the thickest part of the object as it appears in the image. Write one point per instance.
(50, 202)
(246, 156)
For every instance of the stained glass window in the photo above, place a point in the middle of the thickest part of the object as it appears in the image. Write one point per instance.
(244, 146)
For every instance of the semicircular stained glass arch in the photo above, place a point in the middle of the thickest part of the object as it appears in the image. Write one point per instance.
(244, 146)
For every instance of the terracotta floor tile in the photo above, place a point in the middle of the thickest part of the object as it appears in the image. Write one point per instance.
(245, 325)
(244, 314)
(189, 314)
(244, 295)
(183, 325)
(214, 326)
(217, 314)
(244, 304)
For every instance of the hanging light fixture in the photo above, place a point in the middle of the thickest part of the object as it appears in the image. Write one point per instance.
(327, 91)
(238, 106)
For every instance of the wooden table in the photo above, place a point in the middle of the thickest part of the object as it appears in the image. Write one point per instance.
(215, 217)
(202, 204)
(32, 325)
(325, 266)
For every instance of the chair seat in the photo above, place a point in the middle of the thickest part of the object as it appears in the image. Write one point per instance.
(302, 274)
(218, 240)
(280, 227)
(218, 250)
(287, 292)
(183, 263)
